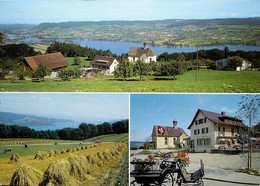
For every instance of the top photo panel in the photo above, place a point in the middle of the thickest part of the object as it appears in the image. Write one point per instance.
(172, 46)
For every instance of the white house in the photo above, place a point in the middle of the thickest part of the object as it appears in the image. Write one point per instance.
(222, 63)
(105, 64)
(209, 130)
(144, 54)
(168, 137)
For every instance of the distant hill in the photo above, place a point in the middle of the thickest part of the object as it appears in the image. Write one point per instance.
(27, 120)
(171, 32)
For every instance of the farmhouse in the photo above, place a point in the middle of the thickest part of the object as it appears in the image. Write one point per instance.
(210, 130)
(144, 54)
(168, 137)
(222, 63)
(105, 64)
(54, 61)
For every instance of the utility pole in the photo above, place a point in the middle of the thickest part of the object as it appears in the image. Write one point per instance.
(250, 145)
(197, 64)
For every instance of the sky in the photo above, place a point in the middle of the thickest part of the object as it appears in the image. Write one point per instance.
(161, 109)
(76, 106)
(38, 11)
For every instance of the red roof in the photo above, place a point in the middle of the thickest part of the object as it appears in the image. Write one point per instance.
(169, 131)
(52, 61)
(218, 118)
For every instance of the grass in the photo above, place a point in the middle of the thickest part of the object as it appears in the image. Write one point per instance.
(110, 137)
(84, 62)
(118, 174)
(209, 81)
(33, 149)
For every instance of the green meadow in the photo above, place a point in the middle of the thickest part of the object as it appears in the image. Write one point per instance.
(34, 148)
(209, 81)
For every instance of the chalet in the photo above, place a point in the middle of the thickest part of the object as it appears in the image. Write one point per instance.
(54, 61)
(222, 63)
(210, 130)
(144, 54)
(105, 64)
(168, 137)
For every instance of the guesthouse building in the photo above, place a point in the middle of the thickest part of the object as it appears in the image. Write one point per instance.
(210, 130)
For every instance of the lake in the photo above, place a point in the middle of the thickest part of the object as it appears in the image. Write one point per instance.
(136, 143)
(123, 47)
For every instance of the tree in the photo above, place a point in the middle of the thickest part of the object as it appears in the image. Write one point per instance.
(226, 51)
(107, 128)
(41, 71)
(234, 62)
(1, 37)
(76, 61)
(141, 68)
(124, 70)
(249, 111)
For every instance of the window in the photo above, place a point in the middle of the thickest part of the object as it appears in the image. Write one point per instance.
(195, 132)
(198, 131)
(165, 141)
(203, 131)
(205, 120)
(196, 122)
(207, 141)
(198, 141)
(219, 129)
(207, 130)
(174, 141)
(233, 131)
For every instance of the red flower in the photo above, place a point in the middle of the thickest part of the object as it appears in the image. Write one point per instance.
(150, 156)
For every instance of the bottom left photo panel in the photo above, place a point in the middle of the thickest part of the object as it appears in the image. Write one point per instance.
(64, 139)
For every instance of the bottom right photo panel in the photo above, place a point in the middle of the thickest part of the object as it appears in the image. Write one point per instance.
(194, 139)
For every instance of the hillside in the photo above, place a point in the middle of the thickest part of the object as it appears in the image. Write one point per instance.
(110, 137)
(27, 120)
(173, 32)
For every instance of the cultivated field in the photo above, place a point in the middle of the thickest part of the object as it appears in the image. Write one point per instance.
(210, 81)
(84, 165)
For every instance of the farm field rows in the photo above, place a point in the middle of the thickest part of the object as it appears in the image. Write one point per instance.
(72, 166)
(210, 81)
(110, 137)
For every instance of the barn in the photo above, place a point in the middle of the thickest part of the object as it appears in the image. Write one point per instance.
(54, 61)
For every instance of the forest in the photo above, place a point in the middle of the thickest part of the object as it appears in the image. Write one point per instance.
(84, 131)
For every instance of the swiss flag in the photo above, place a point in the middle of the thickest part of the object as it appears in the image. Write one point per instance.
(161, 130)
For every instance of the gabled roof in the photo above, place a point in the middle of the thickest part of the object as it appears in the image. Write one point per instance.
(169, 131)
(138, 52)
(103, 61)
(218, 118)
(52, 61)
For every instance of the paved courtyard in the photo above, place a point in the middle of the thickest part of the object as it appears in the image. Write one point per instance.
(219, 166)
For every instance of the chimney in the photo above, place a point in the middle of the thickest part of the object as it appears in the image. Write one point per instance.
(223, 113)
(145, 45)
(174, 124)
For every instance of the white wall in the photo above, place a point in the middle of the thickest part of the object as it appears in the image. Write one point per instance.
(112, 67)
(210, 135)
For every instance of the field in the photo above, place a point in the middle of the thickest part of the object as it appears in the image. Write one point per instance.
(209, 81)
(84, 62)
(65, 163)
(110, 137)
